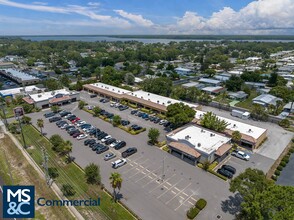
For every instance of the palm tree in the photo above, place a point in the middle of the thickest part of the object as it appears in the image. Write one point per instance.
(236, 136)
(67, 148)
(115, 181)
(40, 124)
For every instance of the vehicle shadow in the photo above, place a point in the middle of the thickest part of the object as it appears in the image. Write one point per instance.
(232, 204)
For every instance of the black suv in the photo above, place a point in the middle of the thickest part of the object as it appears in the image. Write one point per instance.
(110, 141)
(229, 168)
(89, 141)
(225, 173)
(49, 114)
(54, 119)
(102, 149)
(120, 145)
(93, 95)
(129, 152)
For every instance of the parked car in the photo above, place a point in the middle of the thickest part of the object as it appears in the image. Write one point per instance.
(118, 163)
(105, 138)
(93, 95)
(64, 113)
(82, 136)
(69, 127)
(134, 112)
(101, 136)
(112, 104)
(225, 173)
(109, 156)
(75, 135)
(123, 107)
(120, 145)
(74, 131)
(240, 154)
(64, 126)
(114, 143)
(49, 114)
(72, 117)
(89, 141)
(68, 115)
(80, 123)
(157, 120)
(109, 141)
(229, 168)
(129, 152)
(162, 122)
(102, 149)
(96, 146)
(125, 122)
(54, 119)
(60, 122)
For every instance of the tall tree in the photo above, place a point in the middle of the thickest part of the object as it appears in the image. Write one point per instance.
(40, 124)
(179, 114)
(92, 174)
(236, 136)
(213, 122)
(153, 135)
(116, 182)
(261, 198)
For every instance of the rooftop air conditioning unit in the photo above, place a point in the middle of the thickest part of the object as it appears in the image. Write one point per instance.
(39, 95)
(199, 144)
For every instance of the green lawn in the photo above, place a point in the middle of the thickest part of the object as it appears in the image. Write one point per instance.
(248, 102)
(72, 174)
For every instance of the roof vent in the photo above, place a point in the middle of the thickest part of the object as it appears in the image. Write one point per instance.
(39, 95)
(249, 130)
(157, 101)
(148, 94)
(187, 137)
(199, 145)
(234, 125)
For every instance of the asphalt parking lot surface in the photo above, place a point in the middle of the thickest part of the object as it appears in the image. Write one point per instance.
(145, 190)
(287, 178)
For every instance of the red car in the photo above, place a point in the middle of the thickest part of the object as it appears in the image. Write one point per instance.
(75, 120)
(76, 134)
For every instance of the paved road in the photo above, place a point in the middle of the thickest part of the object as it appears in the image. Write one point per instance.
(143, 189)
(287, 176)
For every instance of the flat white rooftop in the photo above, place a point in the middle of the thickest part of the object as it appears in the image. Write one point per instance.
(243, 128)
(47, 95)
(110, 88)
(204, 141)
(162, 100)
(20, 75)
(19, 90)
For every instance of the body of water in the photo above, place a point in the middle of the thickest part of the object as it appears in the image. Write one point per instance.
(143, 40)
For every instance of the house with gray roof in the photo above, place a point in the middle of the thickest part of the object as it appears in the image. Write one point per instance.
(240, 95)
(266, 100)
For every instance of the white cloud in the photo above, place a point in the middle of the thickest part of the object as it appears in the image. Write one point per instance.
(261, 16)
(71, 9)
(137, 19)
(40, 3)
(93, 4)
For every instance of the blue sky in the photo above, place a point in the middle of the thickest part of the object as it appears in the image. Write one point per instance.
(25, 17)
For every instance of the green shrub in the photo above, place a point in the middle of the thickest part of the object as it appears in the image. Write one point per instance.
(291, 150)
(274, 178)
(200, 204)
(192, 212)
(280, 167)
(285, 159)
(282, 164)
(277, 173)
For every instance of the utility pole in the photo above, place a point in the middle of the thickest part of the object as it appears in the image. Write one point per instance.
(23, 138)
(45, 165)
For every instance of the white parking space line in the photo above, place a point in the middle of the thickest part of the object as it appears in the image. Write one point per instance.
(184, 201)
(139, 171)
(135, 167)
(137, 159)
(169, 189)
(193, 199)
(153, 179)
(178, 193)
(185, 194)
(162, 183)
(147, 174)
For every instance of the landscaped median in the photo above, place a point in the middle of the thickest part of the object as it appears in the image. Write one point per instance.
(124, 128)
(210, 169)
(71, 174)
(194, 211)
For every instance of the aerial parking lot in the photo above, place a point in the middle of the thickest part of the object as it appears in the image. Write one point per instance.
(164, 185)
(161, 183)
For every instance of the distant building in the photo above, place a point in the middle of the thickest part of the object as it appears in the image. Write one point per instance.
(19, 76)
(213, 90)
(193, 84)
(209, 82)
(240, 95)
(183, 71)
(20, 91)
(289, 107)
(195, 144)
(266, 100)
(6, 65)
(56, 97)
(223, 77)
(255, 85)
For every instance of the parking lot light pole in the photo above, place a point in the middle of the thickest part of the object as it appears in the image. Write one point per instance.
(23, 138)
